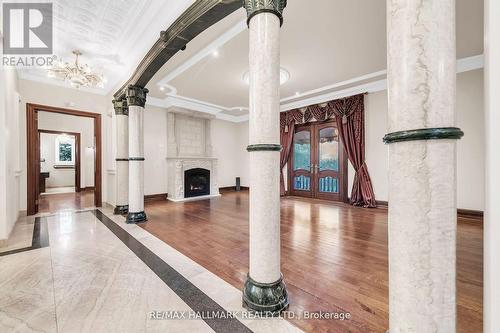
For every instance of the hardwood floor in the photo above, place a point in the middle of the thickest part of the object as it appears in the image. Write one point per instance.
(333, 256)
(52, 203)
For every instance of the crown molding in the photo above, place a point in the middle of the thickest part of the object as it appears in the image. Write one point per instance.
(199, 106)
(379, 74)
(324, 94)
(370, 87)
(206, 51)
(316, 96)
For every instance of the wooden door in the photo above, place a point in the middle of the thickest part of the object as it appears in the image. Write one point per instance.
(318, 165)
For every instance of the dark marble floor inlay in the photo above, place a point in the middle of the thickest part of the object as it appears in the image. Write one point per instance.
(40, 237)
(196, 299)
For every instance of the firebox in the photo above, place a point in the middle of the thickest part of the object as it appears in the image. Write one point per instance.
(196, 182)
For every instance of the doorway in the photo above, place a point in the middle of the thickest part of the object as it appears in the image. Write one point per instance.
(34, 159)
(60, 152)
(318, 163)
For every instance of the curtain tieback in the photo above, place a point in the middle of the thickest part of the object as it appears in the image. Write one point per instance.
(362, 167)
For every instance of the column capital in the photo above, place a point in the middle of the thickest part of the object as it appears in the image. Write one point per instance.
(121, 107)
(136, 95)
(254, 7)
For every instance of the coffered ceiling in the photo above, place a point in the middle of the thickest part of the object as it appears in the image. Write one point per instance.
(328, 46)
(113, 35)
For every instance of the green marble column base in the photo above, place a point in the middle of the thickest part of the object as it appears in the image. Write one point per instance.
(120, 210)
(265, 298)
(136, 217)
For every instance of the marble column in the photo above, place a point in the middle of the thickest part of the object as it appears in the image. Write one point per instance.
(264, 289)
(121, 112)
(492, 127)
(422, 165)
(136, 99)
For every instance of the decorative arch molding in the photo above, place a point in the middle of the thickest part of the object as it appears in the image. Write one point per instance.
(196, 19)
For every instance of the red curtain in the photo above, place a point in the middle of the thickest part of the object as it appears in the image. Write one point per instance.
(349, 114)
(287, 129)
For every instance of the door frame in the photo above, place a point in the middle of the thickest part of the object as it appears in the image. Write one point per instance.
(343, 164)
(77, 153)
(33, 152)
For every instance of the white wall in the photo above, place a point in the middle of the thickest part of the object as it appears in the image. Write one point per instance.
(243, 154)
(57, 177)
(82, 125)
(471, 148)
(228, 150)
(155, 150)
(40, 93)
(470, 151)
(9, 151)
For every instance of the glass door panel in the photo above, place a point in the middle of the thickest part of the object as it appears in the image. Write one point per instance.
(327, 167)
(301, 160)
(328, 149)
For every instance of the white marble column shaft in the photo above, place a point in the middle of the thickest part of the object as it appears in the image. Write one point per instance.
(264, 165)
(492, 208)
(422, 174)
(136, 158)
(121, 160)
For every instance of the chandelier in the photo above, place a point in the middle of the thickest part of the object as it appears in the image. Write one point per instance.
(78, 75)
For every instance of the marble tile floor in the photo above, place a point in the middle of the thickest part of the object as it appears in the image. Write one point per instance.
(99, 274)
(21, 235)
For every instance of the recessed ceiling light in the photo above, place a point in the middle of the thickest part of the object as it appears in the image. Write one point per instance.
(162, 88)
(297, 93)
(284, 76)
(215, 53)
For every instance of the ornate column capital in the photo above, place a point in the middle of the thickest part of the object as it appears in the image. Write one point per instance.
(254, 7)
(136, 96)
(121, 107)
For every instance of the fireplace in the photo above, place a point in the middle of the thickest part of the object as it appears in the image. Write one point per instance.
(196, 182)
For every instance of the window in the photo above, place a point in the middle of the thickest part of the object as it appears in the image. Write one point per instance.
(65, 150)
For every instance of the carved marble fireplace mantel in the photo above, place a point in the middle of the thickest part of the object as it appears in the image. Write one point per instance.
(189, 147)
(177, 166)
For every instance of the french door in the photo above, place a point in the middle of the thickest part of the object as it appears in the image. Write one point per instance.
(318, 165)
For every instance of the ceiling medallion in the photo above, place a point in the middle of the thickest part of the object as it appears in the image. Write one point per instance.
(284, 76)
(78, 75)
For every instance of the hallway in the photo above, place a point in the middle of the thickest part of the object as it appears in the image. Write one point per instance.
(53, 203)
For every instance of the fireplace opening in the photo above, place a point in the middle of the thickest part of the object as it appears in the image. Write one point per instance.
(196, 182)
